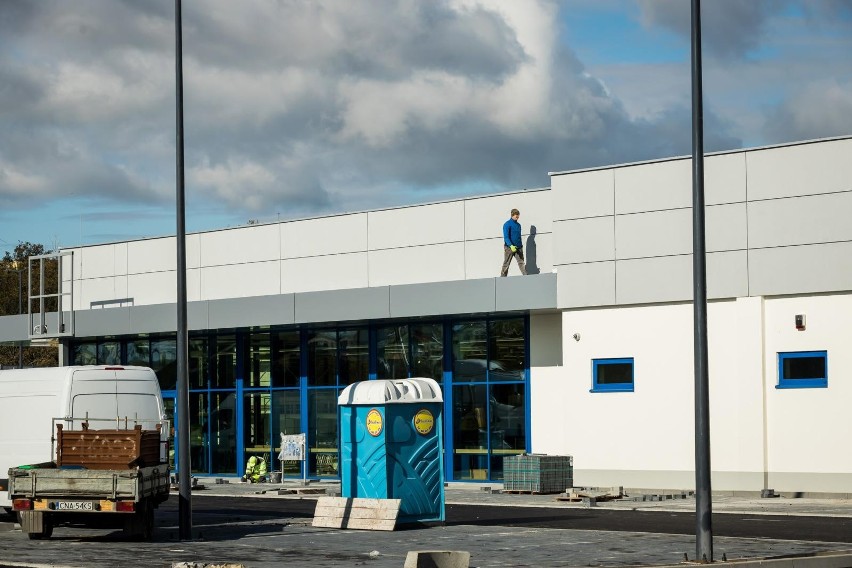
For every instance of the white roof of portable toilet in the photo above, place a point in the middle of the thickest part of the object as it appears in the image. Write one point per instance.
(391, 392)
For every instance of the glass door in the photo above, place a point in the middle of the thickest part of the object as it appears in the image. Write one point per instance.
(169, 407)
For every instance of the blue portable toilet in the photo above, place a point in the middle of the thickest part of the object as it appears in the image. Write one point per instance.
(391, 445)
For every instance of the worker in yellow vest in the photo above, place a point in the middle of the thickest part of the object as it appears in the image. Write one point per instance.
(255, 470)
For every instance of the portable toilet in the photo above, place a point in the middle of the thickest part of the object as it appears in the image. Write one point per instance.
(391, 445)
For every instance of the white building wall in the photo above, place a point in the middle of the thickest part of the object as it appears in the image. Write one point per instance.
(761, 436)
(453, 240)
(808, 430)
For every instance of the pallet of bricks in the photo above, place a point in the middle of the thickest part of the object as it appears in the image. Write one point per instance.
(537, 473)
(107, 449)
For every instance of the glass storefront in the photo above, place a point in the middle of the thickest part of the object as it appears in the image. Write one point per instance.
(247, 387)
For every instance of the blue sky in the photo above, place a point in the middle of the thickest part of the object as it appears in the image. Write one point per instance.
(315, 107)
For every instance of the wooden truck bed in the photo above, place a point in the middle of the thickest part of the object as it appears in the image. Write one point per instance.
(61, 483)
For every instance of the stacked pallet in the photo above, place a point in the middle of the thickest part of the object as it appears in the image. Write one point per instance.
(107, 449)
(537, 473)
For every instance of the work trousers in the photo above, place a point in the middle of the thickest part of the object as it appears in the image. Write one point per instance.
(507, 259)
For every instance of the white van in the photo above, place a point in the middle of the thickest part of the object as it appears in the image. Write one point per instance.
(109, 396)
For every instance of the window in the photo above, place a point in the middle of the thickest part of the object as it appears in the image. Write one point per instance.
(803, 369)
(612, 375)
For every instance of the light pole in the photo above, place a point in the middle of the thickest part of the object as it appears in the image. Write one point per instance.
(20, 311)
(703, 495)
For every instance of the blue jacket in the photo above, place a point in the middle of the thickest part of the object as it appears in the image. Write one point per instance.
(512, 233)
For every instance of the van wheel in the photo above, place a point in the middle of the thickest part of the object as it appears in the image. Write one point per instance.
(147, 532)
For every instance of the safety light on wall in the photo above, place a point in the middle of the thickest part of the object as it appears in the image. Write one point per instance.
(800, 322)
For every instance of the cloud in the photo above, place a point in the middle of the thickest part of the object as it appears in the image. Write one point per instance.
(818, 110)
(729, 28)
(309, 107)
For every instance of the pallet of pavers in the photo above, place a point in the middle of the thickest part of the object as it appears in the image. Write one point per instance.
(577, 494)
(537, 473)
(356, 513)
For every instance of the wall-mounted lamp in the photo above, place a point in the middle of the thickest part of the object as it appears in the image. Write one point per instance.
(800, 322)
(576, 337)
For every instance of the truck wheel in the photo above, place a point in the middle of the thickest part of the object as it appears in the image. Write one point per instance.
(140, 525)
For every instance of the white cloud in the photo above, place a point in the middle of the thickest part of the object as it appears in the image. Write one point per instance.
(324, 105)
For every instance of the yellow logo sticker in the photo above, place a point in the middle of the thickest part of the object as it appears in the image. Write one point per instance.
(424, 421)
(374, 422)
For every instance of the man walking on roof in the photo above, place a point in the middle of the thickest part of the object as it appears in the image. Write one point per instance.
(512, 245)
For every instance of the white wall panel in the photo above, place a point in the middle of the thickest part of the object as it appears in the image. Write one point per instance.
(658, 233)
(242, 245)
(332, 272)
(724, 178)
(152, 288)
(97, 290)
(240, 280)
(655, 186)
(800, 269)
(803, 169)
(421, 225)
(649, 428)
(800, 220)
(193, 250)
(120, 259)
(587, 284)
(414, 265)
(484, 217)
(120, 283)
(325, 235)
(193, 284)
(653, 426)
(483, 258)
(584, 194)
(727, 274)
(583, 240)
(550, 433)
(546, 340)
(660, 279)
(98, 261)
(725, 227)
(538, 252)
(151, 255)
(734, 342)
(806, 427)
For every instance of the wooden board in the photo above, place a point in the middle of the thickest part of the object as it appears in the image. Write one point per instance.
(356, 513)
(107, 449)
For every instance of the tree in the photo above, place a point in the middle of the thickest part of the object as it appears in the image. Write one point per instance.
(15, 294)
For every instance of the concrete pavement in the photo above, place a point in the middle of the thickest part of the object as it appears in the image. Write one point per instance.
(266, 541)
(491, 494)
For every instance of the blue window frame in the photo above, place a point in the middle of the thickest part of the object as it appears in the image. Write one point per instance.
(612, 375)
(802, 370)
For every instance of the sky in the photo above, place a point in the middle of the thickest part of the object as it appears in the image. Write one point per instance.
(303, 108)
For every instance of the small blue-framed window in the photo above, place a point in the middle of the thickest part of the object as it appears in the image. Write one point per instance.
(612, 375)
(803, 370)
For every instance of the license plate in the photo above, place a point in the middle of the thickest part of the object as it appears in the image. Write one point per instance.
(75, 506)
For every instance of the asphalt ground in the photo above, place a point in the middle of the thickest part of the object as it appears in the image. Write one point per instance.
(254, 526)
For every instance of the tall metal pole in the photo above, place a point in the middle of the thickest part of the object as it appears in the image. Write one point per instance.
(182, 410)
(20, 311)
(703, 509)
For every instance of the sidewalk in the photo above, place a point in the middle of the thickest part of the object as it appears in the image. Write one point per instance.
(491, 494)
(271, 541)
(499, 546)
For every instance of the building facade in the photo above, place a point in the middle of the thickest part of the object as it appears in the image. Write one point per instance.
(589, 355)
